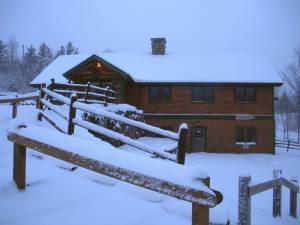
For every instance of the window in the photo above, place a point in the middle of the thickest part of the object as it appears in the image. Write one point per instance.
(245, 94)
(202, 94)
(160, 94)
(245, 135)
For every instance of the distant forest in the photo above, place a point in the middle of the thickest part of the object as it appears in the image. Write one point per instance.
(18, 70)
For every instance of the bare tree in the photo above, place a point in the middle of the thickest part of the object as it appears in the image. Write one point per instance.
(291, 76)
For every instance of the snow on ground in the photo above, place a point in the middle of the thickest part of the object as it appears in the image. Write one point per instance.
(57, 195)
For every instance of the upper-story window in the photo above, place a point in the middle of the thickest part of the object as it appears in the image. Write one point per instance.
(202, 93)
(245, 94)
(160, 94)
(245, 135)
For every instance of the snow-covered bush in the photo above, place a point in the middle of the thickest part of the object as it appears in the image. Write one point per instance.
(125, 110)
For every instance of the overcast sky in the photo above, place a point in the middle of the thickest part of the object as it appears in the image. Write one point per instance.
(268, 26)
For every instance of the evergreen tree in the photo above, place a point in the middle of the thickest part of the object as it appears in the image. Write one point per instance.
(61, 51)
(45, 56)
(70, 49)
(4, 62)
(30, 63)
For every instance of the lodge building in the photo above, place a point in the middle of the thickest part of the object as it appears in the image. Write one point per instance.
(226, 98)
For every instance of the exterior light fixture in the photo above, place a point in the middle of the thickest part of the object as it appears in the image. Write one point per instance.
(98, 65)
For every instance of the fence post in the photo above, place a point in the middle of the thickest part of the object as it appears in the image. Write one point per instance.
(244, 211)
(51, 88)
(277, 195)
(42, 95)
(200, 213)
(288, 146)
(72, 114)
(183, 129)
(19, 167)
(293, 202)
(14, 108)
(87, 92)
(106, 96)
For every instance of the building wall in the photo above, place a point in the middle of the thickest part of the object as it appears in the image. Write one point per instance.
(220, 129)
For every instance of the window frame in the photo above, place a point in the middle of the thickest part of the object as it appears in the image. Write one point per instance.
(204, 101)
(160, 91)
(240, 143)
(246, 99)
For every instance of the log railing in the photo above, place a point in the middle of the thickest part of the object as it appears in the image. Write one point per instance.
(201, 199)
(246, 190)
(14, 100)
(288, 144)
(86, 93)
(47, 96)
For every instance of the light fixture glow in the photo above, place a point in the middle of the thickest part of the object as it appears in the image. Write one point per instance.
(98, 65)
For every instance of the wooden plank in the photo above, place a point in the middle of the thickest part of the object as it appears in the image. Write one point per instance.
(18, 99)
(152, 183)
(244, 210)
(14, 110)
(277, 193)
(289, 184)
(19, 173)
(72, 115)
(258, 188)
(293, 203)
(200, 213)
(42, 95)
(44, 115)
(182, 142)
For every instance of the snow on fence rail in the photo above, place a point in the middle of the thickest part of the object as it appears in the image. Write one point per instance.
(72, 121)
(183, 182)
(14, 100)
(86, 92)
(246, 190)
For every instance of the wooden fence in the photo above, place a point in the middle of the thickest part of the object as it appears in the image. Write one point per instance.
(86, 93)
(246, 190)
(14, 100)
(288, 144)
(201, 200)
(47, 96)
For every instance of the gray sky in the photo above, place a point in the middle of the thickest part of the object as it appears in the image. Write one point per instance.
(268, 26)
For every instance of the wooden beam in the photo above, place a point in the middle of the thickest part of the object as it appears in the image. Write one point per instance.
(258, 188)
(244, 210)
(277, 193)
(182, 142)
(19, 167)
(152, 183)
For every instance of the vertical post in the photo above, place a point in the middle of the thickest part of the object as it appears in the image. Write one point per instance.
(293, 203)
(244, 211)
(51, 88)
(19, 167)
(72, 114)
(277, 195)
(106, 96)
(200, 213)
(14, 109)
(87, 92)
(183, 129)
(42, 95)
(288, 145)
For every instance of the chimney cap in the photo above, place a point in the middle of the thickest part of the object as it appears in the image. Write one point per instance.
(158, 40)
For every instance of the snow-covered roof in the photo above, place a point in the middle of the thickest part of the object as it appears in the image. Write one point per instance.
(195, 67)
(222, 67)
(58, 67)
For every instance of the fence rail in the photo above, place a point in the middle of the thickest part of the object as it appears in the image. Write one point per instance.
(201, 199)
(47, 96)
(86, 93)
(246, 190)
(288, 144)
(14, 100)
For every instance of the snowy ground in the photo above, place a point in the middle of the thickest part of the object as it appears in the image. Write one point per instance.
(57, 195)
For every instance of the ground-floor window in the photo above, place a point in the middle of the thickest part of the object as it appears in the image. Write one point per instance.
(245, 135)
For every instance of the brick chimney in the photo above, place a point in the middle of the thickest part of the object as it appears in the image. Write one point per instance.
(158, 46)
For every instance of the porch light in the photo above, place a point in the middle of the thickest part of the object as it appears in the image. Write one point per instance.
(98, 65)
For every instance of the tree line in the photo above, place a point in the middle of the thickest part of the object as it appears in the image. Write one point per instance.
(18, 70)
(287, 105)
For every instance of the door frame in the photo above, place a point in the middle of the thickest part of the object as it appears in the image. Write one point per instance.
(205, 133)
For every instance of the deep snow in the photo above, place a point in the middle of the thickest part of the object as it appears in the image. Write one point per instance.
(55, 195)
